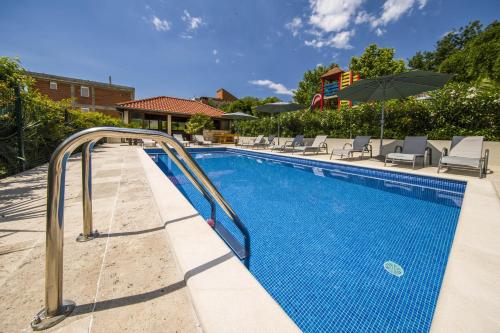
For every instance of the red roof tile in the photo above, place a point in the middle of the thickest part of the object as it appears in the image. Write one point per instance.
(172, 105)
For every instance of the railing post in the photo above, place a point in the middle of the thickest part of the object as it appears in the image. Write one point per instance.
(191, 178)
(88, 233)
(55, 308)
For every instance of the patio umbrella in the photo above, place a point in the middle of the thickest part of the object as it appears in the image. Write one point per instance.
(238, 116)
(279, 107)
(394, 86)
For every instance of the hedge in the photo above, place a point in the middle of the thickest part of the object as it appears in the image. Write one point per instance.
(457, 109)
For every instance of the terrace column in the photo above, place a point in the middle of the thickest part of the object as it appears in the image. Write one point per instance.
(169, 124)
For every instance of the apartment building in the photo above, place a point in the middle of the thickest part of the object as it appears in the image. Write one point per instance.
(86, 95)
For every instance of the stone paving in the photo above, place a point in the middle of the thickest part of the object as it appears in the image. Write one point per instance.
(125, 280)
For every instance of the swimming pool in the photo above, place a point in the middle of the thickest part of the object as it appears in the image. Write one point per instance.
(340, 248)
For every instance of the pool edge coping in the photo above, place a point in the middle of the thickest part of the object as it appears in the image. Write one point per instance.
(460, 305)
(224, 294)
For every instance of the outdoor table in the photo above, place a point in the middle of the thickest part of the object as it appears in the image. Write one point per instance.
(225, 137)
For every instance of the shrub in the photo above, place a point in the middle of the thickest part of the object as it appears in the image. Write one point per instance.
(45, 122)
(197, 123)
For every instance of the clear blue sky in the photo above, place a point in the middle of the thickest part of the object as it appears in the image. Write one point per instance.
(191, 48)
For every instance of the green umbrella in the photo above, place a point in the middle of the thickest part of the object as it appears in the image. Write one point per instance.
(279, 107)
(394, 86)
(238, 116)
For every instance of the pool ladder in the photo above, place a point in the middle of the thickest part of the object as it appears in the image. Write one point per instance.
(56, 309)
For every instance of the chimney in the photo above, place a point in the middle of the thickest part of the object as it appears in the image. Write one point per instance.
(110, 79)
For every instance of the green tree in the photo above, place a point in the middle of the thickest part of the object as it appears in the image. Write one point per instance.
(244, 104)
(478, 59)
(455, 41)
(197, 123)
(271, 99)
(422, 60)
(470, 52)
(247, 104)
(376, 61)
(310, 84)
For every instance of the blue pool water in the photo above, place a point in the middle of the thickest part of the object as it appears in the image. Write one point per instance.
(325, 236)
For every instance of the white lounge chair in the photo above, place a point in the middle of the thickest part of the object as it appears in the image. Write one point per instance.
(291, 145)
(180, 138)
(361, 144)
(254, 142)
(201, 140)
(318, 144)
(413, 147)
(465, 153)
(266, 143)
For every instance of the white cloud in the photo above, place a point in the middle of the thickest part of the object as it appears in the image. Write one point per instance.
(159, 24)
(294, 26)
(421, 4)
(339, 40)
(332, 15)
(363, 17)
(215, 52)
(278, 88)
(332, 22)
(392, 10)
(192, 21)
(185, 36)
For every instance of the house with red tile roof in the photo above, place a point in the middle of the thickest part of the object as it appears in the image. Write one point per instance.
(168, 114)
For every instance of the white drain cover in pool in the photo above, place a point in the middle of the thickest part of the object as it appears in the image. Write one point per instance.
(393, 268)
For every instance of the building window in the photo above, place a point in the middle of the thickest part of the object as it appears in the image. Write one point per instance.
(85, 109)
(53, 85)
(153, 124)
(136, 119)
(84, 91)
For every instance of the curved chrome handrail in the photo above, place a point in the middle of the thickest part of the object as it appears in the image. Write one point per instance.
(55, 308)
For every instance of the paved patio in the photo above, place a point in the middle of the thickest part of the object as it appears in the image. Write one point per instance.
(126, 280)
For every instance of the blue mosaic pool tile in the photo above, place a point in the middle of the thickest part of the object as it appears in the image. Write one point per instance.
(321, 233)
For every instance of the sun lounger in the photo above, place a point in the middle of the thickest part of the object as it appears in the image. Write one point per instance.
(269, 142)
(413, 147)
(199, 139)
(256, 141)
(291, 145)
(318, 144)
(179, 138)
(361, 144)
(465, 153)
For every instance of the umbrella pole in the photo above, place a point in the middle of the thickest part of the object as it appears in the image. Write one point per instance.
(381, 129)
(278, 130)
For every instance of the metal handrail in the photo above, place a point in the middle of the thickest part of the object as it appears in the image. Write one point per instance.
(55, 308)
